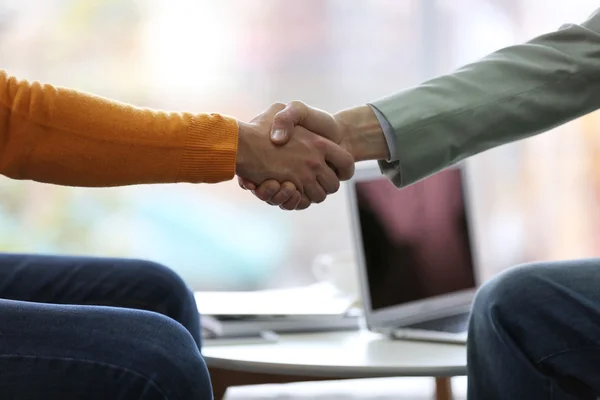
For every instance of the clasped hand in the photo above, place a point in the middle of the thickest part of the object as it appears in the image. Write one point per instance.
(293, 155)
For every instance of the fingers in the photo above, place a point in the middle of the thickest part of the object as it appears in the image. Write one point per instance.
(269, 114)
(266, 190)
(293, 202)
(317, 183)
(246, 184)
(339, 160)
(298, 113)
(328, 183)
(315, 192)
(287, 192)
(304, 203)
(286, 196)
(328, 180)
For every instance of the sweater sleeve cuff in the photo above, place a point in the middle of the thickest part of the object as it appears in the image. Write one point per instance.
(210, 151)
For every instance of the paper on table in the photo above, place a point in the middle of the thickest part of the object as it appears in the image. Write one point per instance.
(316, 299)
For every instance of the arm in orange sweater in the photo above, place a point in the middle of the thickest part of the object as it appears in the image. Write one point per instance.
(61, 136)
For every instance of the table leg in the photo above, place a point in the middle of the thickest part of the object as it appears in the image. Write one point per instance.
(443, 388)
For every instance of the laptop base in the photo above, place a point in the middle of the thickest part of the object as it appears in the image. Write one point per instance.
(450, 329)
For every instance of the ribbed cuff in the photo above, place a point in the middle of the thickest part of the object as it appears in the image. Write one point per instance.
(210, 150)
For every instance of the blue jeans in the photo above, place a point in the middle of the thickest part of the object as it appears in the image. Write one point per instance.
(535, 334)
(93, 328)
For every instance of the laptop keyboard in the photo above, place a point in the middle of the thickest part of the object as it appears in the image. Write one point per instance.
(452, 324)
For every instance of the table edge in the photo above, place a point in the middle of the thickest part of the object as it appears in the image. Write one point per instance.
(337, 371)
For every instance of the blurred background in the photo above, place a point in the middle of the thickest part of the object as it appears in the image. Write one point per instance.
(534, 200)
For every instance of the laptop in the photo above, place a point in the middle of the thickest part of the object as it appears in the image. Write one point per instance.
(415, 255)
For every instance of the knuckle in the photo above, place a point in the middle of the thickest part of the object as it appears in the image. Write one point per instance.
(297, 104)
(277, 107)
(320, 143)
(314, 164)
(289, 186)
(299, 109)
(281, 118)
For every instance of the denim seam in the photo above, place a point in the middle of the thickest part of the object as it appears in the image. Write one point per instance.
(566, 351)
(117, 367)
(545, 358)
(545, 379)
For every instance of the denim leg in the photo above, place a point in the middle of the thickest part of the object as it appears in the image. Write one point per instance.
(99, 281)
(69, 352)
(97, 328)
(535, 333)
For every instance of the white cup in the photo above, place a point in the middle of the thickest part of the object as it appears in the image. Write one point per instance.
(339, 270)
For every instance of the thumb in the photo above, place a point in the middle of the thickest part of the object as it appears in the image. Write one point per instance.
(283, 125)
(297, 113)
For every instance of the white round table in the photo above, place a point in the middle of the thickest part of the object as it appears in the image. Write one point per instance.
(348, 354)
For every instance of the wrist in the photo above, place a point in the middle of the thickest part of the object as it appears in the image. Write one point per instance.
(363, 134)
(242, 149)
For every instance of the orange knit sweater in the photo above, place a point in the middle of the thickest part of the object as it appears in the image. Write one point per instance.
(65, 137)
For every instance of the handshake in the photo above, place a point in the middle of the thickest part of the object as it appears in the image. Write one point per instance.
(294, 155)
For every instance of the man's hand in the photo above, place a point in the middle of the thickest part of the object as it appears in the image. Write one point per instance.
(292, 115)
(315, 120)
(305, 162)
(357, 130)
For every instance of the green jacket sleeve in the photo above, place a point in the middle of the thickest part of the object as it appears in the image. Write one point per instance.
(512, 94)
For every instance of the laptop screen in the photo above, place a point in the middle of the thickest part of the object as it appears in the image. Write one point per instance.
(416, 240)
